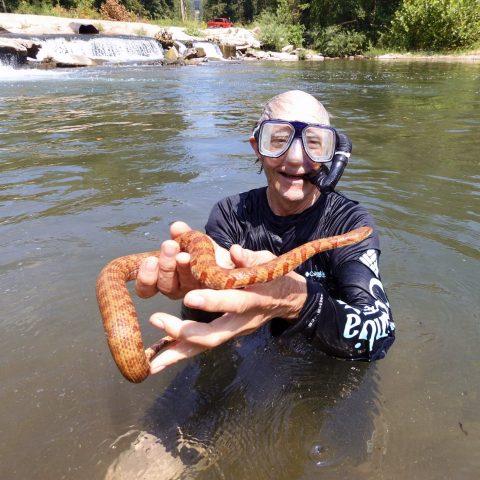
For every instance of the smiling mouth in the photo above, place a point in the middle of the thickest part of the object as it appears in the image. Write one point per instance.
(293, 177)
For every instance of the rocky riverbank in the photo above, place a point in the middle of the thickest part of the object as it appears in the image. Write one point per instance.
(235, 43)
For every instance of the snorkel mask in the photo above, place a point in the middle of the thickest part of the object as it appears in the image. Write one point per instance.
(322, 144)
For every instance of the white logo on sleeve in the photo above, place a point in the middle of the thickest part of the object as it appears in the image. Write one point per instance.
(369, 259)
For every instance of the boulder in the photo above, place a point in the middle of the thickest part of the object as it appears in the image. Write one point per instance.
(194, 61)
(70, 61)
(257, 54)
(201, 52)
(228, 51)
(20, 47)
(172, 55)
(283, 57)
(165, 38)
(88, 29)
(314, 57)
(232, 36)
(288, 49)
(190, 53)
(46, 64)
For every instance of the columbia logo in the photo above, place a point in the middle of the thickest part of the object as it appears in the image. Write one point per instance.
(317, 275)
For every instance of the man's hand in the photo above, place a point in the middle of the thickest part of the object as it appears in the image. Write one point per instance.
(246, 310)
(170, 273)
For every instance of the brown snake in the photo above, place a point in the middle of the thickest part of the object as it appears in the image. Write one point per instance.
(118, 311)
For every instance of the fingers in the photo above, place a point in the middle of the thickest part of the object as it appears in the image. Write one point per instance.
(167, 280)
(242, 257)
(204, 335)
(180, 350)
(146, 283)
(283, 297)
(168, 272)
(177, 228)
(159, 274)
(231, 301)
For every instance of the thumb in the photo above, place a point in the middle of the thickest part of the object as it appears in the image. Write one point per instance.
(241, 257)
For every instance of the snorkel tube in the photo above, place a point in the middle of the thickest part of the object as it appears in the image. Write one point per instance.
(327, 178)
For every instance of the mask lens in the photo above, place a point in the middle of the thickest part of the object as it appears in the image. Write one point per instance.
(275, 138)
(319, 143)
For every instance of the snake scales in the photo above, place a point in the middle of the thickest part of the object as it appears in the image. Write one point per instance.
(118, 311)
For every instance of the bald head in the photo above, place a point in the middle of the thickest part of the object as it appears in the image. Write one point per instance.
(295, 105)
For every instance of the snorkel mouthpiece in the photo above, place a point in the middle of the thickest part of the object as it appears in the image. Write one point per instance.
(326, 179)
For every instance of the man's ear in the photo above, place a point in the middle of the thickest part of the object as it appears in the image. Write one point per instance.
(254, 144)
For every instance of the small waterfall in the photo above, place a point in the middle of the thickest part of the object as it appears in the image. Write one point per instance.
(118, 49)
(211, 49)
(96, 47)
(8, 62)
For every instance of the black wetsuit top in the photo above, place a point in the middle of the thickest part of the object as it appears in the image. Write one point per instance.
(347, 313)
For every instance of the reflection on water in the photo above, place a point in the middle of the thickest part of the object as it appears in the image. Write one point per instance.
(96, 163)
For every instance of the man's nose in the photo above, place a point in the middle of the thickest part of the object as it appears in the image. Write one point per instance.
(295, 153)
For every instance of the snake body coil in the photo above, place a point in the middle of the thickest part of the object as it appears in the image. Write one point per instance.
(118, 311)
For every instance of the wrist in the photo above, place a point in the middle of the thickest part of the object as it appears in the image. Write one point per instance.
(312, 309)
(291, 297)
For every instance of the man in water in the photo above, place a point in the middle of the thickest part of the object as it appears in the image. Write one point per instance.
(336, 298)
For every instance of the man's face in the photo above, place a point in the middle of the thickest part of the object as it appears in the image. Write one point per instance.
(288, 190)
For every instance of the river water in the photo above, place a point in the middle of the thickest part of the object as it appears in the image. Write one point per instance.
(96, 163)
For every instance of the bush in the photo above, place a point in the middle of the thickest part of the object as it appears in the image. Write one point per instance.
(275, 35)
(301, 54)
(85, 9)
(194, 29)
(435, 25)
(113, 10)
(78, 9)
(37, 8)
(335, 41)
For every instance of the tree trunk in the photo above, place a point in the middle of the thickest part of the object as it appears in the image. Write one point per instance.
(182, 10)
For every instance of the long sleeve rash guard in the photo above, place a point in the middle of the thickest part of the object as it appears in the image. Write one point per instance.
(347, 313)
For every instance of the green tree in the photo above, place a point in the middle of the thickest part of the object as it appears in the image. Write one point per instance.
(371, 17)
(435, 25)
(281, 27)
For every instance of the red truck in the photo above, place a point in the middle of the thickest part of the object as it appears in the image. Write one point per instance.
(220, 23)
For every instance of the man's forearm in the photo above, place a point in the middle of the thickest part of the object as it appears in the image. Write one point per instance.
(360, 328)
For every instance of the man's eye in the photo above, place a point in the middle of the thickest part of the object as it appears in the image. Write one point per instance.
(279, 140)
(314, 141)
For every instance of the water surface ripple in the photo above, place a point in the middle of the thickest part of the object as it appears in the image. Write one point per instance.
(96, 163)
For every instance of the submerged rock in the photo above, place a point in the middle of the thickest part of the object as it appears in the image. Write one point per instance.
(70, 61)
